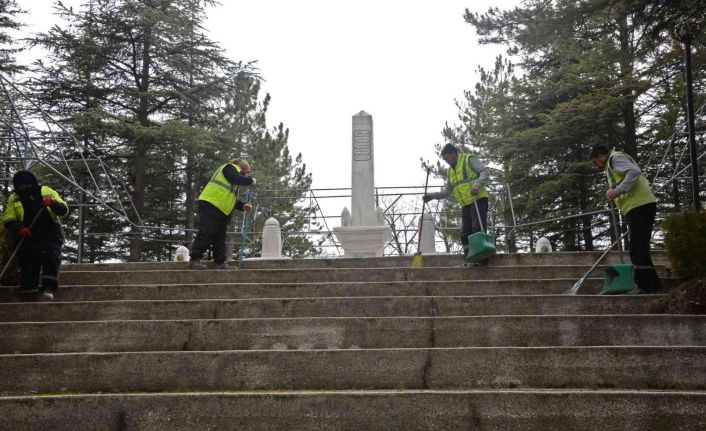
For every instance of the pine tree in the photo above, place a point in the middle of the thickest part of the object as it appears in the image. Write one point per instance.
(9, 25)
(141, 83)
(588, 76)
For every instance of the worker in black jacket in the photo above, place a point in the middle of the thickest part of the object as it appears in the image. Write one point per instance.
(32, 217)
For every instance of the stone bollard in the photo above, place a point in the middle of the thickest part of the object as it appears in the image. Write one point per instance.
(428, 234)
(543, 245)
(271, 240)
(182, 254)
(345, 217)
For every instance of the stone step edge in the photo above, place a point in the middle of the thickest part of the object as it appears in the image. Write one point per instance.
(301, 283)
(349, 351)
(348, 392)
(492, 316)
(386, 269)
(310, 298)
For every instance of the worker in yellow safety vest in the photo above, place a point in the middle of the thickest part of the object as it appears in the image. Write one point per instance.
(629, 189)
(32, 218)
(215, 206)
(466, 178)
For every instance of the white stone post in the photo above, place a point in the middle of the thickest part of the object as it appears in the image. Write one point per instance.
(345, 217)
(427, 245)
(271, 240)
(182, 254)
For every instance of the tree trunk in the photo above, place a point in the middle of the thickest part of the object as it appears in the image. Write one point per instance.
(626, 75)
(190, 204)
(142, 144)
(585, 220)
(570, 235)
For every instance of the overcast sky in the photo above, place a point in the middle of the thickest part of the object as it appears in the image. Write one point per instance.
(402, 61)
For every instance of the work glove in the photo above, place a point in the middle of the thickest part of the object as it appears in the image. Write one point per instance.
(253, 182)
(426, 198)
(47, 202)
(475, 189)
(25, 232)
(247, 207)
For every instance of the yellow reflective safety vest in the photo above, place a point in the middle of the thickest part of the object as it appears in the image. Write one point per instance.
(640, 193)
(14, 211)
(461, 180)
(219, 192)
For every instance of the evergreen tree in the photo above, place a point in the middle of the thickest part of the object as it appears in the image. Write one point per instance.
(588, 76)
(140, 83)
(9, 24)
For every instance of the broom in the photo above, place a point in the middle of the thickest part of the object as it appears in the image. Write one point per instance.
(575, 288)
(246, 227)
(417, 258)
(19, 244)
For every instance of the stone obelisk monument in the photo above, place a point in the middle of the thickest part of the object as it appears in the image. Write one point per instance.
(363, 232)
(363, 172)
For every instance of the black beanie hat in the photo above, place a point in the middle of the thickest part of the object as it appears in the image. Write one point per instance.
(448, 148)
(597, 150)
(24, 177)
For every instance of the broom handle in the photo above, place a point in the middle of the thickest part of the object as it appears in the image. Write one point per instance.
(19, 244)
(480, 222)
(424, 204)
(616, 226)
(605, 253)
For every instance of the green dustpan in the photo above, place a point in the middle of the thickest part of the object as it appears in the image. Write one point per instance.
(618, 279)
(480, 244)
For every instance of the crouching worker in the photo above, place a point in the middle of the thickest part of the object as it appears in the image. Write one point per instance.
(215, 207)
(31, 217)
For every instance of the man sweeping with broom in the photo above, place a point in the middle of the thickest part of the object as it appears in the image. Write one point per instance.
(465, 183)
(631, 192)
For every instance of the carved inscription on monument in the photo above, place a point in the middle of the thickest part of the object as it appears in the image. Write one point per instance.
(362, 145)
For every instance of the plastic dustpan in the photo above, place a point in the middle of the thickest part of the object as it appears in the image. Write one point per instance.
(618, 279)
(480, 246)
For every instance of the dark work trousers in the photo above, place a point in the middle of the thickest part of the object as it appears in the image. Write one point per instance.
(470, 223)
(640, 221)
(212, 233)
(37, 256)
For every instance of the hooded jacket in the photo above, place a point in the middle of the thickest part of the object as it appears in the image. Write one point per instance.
(25, 209)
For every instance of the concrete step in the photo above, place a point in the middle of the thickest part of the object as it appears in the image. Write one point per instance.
(410, 410)
(352, 333)
(457, 368)
(307, 290)
(431, 260)
(328, 275)
(371, 306)
(311, 290)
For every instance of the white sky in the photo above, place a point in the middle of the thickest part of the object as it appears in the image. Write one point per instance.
(402, 61)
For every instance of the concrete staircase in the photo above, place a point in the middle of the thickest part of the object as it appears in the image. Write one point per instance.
(349, 344)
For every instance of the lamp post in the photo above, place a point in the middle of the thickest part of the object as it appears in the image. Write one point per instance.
(686, 32)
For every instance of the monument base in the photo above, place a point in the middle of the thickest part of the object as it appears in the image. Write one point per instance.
(363, 241)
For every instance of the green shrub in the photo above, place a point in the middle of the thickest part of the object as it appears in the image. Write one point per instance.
(685, 239)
